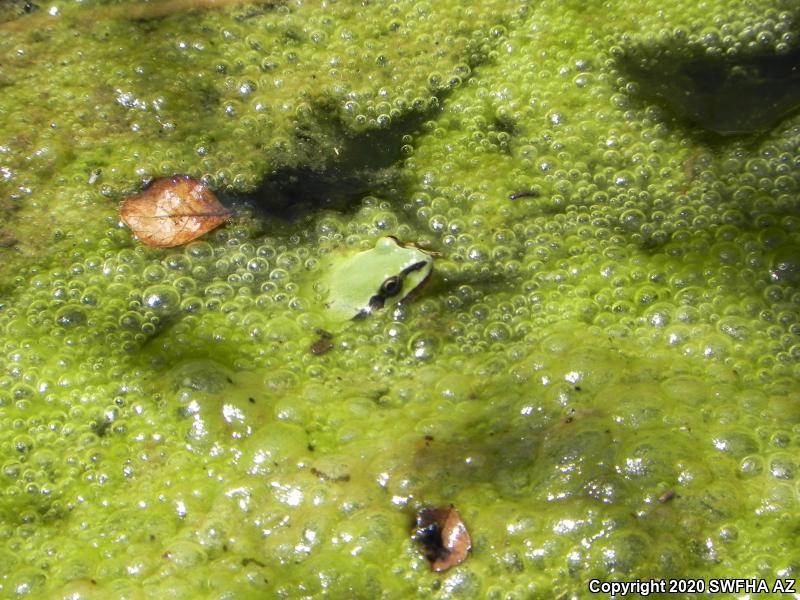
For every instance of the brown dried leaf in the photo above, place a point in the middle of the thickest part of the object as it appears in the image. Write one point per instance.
(323, 344)
(173, 211)
(444, 537)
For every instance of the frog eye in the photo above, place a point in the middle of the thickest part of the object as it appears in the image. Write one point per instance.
(391, 286)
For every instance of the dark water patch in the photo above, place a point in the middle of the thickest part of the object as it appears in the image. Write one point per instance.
(723, 96)
(334, 168)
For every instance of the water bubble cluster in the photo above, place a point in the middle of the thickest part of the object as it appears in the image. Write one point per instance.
(607, 350)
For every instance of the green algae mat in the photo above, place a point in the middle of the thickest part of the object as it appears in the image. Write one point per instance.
(600, 374)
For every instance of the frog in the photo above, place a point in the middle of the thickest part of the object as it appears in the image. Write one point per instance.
(375, 279)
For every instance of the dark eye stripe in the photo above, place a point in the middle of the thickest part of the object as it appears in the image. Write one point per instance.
(377, 301)
(399, 279)
(413, 267)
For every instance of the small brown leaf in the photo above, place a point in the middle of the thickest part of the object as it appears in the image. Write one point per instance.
(444, 537)
(666, 496)
(323, 344)
(173, 211)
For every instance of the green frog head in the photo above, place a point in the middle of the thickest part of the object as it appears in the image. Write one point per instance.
(378, 278)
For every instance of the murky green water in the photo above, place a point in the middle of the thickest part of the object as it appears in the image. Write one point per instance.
(601, 374)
